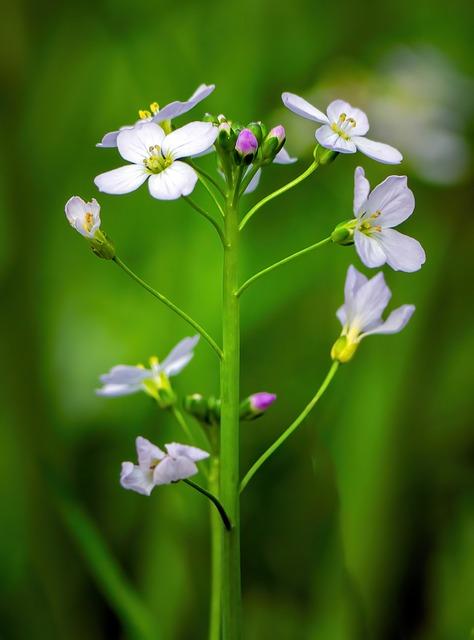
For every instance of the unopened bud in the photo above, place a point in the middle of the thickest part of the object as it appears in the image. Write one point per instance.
(324, 156)
(256, 405)
(246, 146)
(343, 350)
(209, 117)
(273, 143)
(205, 410)
(257, 128)
(226, 137)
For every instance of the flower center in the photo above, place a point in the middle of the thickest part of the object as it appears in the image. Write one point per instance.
(344, 126)
(156, 161)
(367, 225)
(88, 221)
(146, 114)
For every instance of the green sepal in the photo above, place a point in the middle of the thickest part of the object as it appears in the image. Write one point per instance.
(102, 246)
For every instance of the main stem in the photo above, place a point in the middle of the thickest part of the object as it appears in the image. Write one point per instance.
(229, 444)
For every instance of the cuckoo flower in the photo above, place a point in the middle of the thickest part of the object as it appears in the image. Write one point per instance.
(83, 216)
(124, 380)
(156, 156)
(155, 114)
(344, 128)
(361, 314)
(156, 467)
(389, 204)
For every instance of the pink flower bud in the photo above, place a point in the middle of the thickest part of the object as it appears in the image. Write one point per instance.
(247, 143)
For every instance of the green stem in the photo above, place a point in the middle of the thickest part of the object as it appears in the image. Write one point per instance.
(171, 305)
(248, 178)
(229, 440)
(293, 426)
(280, 263)
(206, 215)
(208, 177)
(215, 612)
(106, 572)
(215, 501)
(312, 167)
(182, 422)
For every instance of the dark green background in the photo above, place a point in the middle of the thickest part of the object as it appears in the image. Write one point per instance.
(363, 525)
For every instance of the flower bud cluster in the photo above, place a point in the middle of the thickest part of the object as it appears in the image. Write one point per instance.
(208, 410)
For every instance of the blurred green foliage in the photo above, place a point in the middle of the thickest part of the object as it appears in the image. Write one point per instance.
(363, 525)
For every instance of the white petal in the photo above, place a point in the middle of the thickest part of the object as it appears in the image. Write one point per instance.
(75, 209)
(179, 179)
(393, 199)
(148, 453)
(395, 322)
(177, 108)
(109, 140)
(125, 374)
(402, 252)
(171, 470)
(369, 250)
(379, 151)
(116, 390)
(134, 144)
(361, 190)
(328, 139)
(354, 280)
(133, 478)
(121, 180)
(342, 315)
(302, 107)
(339, 107)
(189, 140)
(370, 302)
(177, 450)
(283, 157)
(336, 108)
(253, 184)
(179, 356)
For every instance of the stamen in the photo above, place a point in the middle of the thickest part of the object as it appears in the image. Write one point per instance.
(88, 221)
(143, 114)
(154, 107)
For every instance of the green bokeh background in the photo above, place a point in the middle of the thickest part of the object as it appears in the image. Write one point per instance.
(363, 525)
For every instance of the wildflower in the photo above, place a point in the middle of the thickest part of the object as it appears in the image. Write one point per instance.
(156, 467)
(256, 405)
(155, 156)
(124, 380)
(343, 129)
(84, 217)
(361, 314)
(155, 114)
(376, 213)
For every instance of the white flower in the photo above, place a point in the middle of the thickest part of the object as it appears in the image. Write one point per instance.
(124, 380)
(155, 156)
(156, 467)
(389, 204)
(343, 129)
(361, 314)
(83, 216)
(170, 111)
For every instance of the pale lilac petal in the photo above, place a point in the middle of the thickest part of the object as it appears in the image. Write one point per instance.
(339, 107)
(134, 144)
(253, 184)
(121, 180)
(361, 190)
(179, 179)
(134, 479)
(342, 315)
(336, 108)
(328, 139)
(369, 303)
(302, 107)
(171, 470)
(177, 108)
(379, 151)
(125, 374)
(354, 280)
(148, 453)
(283, 157)
(393, 199)
(395, 322)
(189, 140)
(109, 140)
(116, 390)
(369, 250)
(179, 356)
(177, 450)
(75, 209)
(402, 252)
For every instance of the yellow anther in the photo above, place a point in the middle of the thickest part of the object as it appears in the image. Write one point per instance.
(88, 221)
(154, 107)
(154, 362)
(352, 122)
(342, 117)
(143, 114)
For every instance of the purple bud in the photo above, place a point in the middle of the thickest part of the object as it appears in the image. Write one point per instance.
(262, 401)
(279, 133)
(247, 143)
